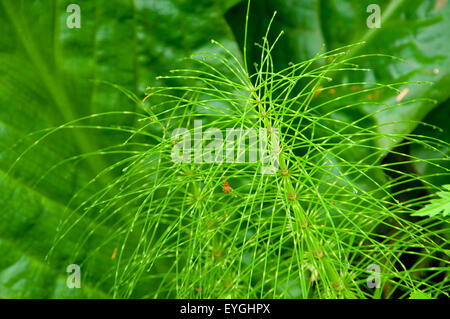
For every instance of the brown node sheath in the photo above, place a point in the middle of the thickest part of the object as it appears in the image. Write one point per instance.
(284, 172)
(304, 225)
(318, 254)
(292, 196)
(338, 286)
(226, 187)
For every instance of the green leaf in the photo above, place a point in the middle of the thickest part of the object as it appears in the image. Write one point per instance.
(49, 75)
(415, 31)
(419, 295)
(438, 205)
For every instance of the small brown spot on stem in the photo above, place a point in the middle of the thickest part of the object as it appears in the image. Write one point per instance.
(292, 196)
(377, 94)
(145, 98)
(318, 91)
(114, 253)
(226, 187)
(318, 254)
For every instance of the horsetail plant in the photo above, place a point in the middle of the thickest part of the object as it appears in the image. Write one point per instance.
(313, 227)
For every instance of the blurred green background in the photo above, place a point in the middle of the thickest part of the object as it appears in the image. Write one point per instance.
(50, 74)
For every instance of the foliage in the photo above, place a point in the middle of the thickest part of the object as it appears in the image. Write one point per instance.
(86, 175)
(438, 205)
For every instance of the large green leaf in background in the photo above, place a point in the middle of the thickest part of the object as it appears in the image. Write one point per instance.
(416, 31)
(45, 73)
(45, 69)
